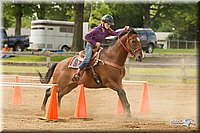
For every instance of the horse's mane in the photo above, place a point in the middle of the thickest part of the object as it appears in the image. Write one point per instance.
(130, 30)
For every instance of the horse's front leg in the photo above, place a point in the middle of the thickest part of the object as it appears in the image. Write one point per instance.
(122, 95)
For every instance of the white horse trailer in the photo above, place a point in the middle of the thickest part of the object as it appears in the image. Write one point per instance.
(53, 35)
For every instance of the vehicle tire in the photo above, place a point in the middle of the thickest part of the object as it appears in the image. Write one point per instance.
(18, 47)
(150, 48)
(65, 48)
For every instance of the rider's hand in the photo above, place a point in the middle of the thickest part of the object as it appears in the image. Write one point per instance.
(126, 27)
(98, 44)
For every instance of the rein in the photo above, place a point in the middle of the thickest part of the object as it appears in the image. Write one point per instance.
(127, 50)
(120, 68)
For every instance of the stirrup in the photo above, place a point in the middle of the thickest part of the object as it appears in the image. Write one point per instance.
(77, 76)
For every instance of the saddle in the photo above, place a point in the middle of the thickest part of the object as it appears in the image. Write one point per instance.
(78, 59)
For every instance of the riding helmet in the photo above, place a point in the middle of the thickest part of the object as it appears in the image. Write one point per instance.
(108, 18)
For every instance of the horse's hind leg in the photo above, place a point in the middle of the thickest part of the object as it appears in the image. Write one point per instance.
(64, 92)
(47, 94)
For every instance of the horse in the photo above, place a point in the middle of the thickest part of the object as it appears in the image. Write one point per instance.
(109, 67)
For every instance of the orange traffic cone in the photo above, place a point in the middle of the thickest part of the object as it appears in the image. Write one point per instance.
(144, 104)
(120, 109)
(52, 113)
(17, 100)
(80, 111)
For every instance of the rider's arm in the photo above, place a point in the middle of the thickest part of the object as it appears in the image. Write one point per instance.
(117, 32)
(89, 36)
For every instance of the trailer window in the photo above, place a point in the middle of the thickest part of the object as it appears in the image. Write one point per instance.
(41, 28)
(35, 28)
(50, 28)
(67, 29)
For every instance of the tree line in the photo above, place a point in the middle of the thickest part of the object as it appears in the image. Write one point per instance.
(179, 18)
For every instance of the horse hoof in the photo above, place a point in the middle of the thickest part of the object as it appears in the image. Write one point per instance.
(128, 116)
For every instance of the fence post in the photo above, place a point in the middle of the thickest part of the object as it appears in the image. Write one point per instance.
(183, 73)
(186, 47)
(48, 59)
(177, 44)
(169, 44)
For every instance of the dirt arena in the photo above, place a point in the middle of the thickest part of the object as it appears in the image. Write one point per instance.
(167, 103)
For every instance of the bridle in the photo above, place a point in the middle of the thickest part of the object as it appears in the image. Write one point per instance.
(131, 52)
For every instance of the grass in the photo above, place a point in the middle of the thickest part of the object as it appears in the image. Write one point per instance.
(33, 59)
(22, 69)
(60, 58)
(139, 71)
(175, 51)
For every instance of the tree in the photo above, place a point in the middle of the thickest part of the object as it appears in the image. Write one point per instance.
(127, 14)
(18, 18)
(180, 19)
(97, 11)
(15, 11)
(77, 44)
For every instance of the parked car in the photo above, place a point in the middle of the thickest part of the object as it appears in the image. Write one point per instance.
(147, 36)
(17, 43)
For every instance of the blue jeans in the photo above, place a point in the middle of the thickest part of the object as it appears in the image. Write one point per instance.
(88, 55)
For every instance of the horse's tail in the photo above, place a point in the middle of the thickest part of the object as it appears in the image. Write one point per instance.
(48, 75)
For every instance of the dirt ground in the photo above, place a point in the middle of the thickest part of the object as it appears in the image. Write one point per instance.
(168, 102)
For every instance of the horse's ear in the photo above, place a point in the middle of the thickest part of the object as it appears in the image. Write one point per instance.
(122, 33)
(132, 31)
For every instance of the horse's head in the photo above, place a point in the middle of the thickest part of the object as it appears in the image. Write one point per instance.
(133, 44)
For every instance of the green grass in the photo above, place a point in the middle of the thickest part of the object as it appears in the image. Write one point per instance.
(162, 71)
(138, 71)
(60, 58)
(33, 59)
(23, 69)
(175, 51)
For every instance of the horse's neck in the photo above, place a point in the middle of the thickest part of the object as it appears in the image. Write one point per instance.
(116, 53)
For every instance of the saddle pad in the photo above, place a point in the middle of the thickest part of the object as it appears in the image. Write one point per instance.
(75, 62)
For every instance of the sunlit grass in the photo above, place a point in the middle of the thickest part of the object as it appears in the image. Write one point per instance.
(175, 51)
(163, 71)
(33, 59)
(23, 69)
(171, 72)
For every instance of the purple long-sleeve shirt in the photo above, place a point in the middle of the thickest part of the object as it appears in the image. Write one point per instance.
(97, 35)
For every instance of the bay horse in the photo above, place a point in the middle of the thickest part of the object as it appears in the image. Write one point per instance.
(110, 68)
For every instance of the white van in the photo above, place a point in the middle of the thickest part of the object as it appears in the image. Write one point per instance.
(53, 35)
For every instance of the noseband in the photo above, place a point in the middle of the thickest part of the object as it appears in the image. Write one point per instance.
(131, 52)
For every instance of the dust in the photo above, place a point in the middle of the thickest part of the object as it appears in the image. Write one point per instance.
(167, 102)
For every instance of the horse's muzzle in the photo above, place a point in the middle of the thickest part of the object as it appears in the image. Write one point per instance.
(138, 57)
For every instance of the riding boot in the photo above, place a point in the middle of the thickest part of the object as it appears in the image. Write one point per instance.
(77, 75)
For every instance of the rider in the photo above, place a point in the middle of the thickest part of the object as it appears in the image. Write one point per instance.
(95, 37)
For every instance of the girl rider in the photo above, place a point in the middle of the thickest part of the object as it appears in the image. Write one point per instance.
(95, 37)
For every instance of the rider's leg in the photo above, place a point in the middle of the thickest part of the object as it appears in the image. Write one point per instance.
(88, 55)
